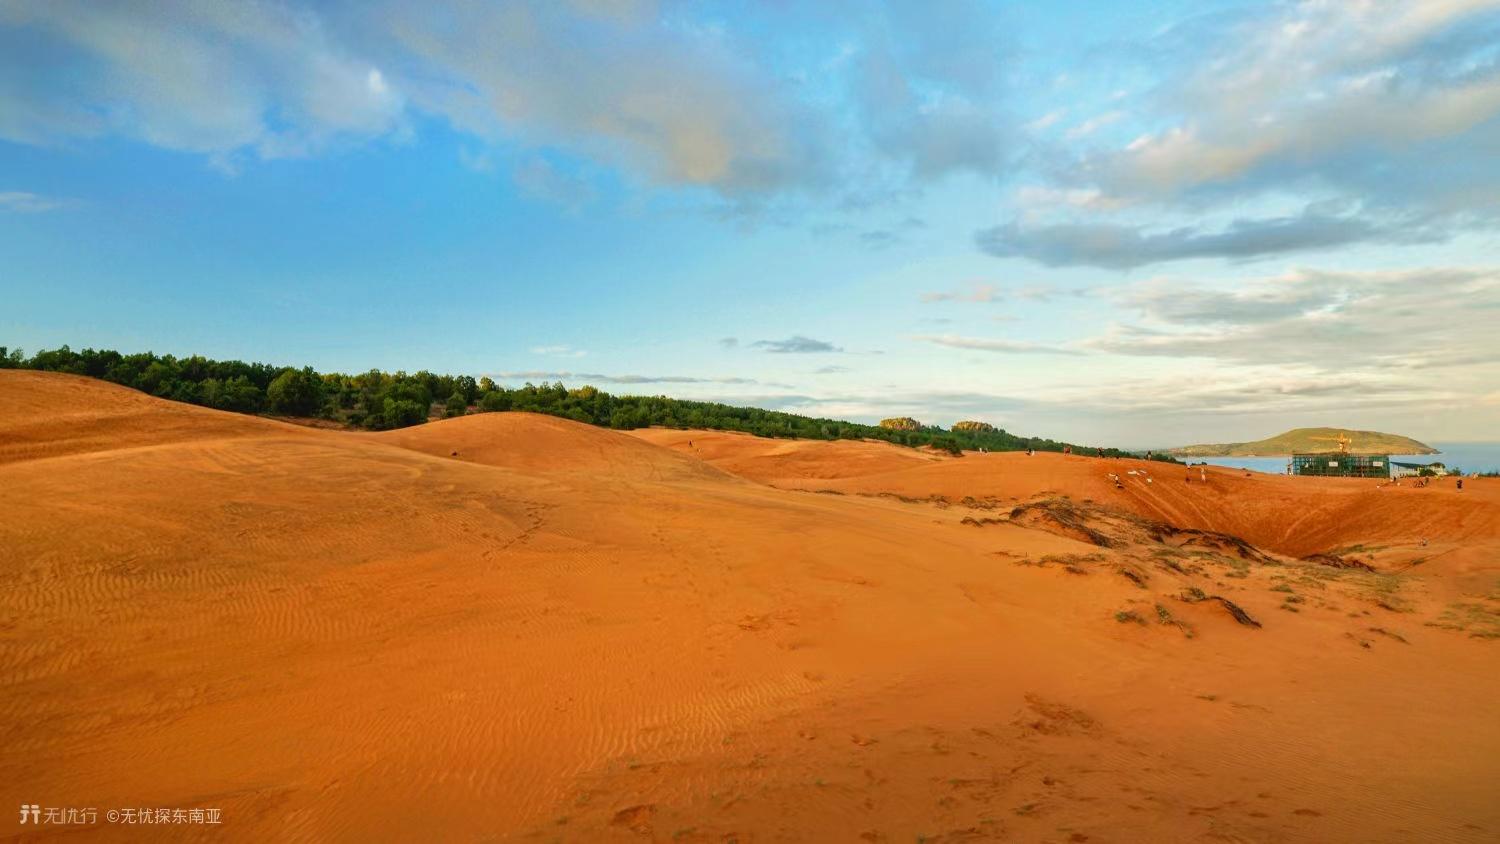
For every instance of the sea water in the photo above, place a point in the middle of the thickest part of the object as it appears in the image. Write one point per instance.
(1470, 457)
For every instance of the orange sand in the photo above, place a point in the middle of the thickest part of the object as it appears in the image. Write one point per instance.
(569, 633)
(1291, 515)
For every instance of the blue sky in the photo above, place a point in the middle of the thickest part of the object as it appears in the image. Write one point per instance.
(1142, 226)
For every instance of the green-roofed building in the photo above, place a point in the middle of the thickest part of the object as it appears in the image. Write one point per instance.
(1338, 464)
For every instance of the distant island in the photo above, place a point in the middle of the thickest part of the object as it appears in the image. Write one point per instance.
(1300, 440)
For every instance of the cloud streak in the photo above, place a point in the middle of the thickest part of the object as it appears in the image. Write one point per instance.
(1375, 323)
(1121, 247)
(207, 78)
(999, 346)
(565, 75)
(1350, 94)
(565, 375)
(559, 351)
(1381, 119)
(22, 202)
(278, 80)
(927, 85)
(796, 345)
(974, 293)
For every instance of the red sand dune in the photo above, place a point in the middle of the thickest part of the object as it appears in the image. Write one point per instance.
(1294, 516)
(43, 414)
(777, 461)
(547, 445)
(570, 633)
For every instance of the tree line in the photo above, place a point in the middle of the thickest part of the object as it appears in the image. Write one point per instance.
(377, 400)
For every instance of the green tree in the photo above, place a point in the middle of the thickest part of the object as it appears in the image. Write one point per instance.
(466, 386)
(295, 392)
(157, 379)
(186, 391)
(382, 400)
(401, 413)
(494, 401)
(240, 395)
(457, 405)
(949, 445)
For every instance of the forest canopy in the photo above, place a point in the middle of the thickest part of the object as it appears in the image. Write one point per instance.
(378, 400)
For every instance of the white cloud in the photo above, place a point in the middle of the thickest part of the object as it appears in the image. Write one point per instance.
(673, 104)
(1094, 124)
(611, 81)
(559, 351)
(975, 292)
(22, 202)
(796, 345)
(480, 161)
(1124, 247)
(565, 375)
(1031, 197)
(928, 84)
(1381, 120)
(1326, 339)
(1344, 93)
(538, 178)
(1047, 120)
(207, 78)
(376, 83)
(988, 344)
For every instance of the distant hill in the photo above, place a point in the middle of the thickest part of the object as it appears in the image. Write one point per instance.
(1310, 439)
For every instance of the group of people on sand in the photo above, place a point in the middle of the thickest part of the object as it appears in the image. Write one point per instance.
(1421, 482)
(1068, 449)
(1120, 482)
